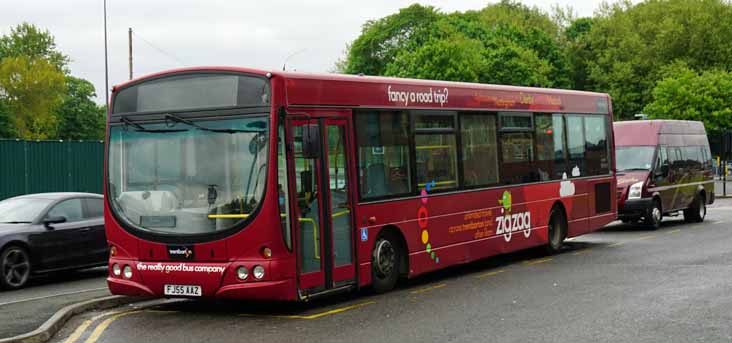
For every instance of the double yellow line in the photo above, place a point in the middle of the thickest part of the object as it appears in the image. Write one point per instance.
(99, 330)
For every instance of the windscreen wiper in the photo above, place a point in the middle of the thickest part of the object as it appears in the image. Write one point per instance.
(141, 128)
(203, 128)
(16, 222)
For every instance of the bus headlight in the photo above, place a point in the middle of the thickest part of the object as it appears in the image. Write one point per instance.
(127, 272)
(116, 270)
(258, 272)
(635, 190)
(242, 273)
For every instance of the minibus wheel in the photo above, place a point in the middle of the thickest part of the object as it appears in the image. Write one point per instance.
(385, 263)
(557, 231)
(654, 216)
(697, 211)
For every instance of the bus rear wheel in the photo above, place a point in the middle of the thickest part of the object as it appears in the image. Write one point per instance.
(557, 231)
(385, 263)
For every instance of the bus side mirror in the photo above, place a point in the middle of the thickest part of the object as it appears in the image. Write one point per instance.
(311, 141)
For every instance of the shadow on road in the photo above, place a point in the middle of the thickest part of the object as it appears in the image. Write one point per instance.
(226, 308)
(65, 276)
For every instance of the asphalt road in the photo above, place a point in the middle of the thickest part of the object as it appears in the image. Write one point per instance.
(26, 309)
(622, 284)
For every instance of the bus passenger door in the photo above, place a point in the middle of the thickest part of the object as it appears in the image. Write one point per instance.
(324, 228)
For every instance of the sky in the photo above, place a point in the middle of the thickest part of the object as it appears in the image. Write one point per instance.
(309, 35)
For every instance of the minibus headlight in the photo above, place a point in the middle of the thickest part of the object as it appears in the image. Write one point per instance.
(127, 272)
(116, 270)
(258, 272)
(242, 273)
(635, 190)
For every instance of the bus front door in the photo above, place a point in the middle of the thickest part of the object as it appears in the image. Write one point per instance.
(323, 207)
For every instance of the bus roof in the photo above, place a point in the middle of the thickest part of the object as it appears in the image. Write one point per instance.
(328, 89)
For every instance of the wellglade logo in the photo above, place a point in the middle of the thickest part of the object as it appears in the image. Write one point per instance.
(509, 222)
(180, 252)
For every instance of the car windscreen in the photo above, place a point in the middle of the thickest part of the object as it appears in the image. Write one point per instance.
(634, 157)
(23, 210)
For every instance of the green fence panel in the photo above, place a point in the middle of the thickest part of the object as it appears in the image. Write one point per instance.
(50, 166)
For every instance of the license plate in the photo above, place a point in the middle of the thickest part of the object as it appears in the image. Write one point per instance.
(183, 290)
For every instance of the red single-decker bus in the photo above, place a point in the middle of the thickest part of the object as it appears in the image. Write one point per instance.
(238, 183)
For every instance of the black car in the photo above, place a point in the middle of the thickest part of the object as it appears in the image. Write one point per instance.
(41, 233)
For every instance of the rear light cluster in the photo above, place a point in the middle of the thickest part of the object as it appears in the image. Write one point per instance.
(242, 272)
(122, 271)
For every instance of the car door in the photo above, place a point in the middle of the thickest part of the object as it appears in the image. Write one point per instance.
(97, 249)
(58, 246)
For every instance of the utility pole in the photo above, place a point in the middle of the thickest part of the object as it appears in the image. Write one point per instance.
(106, 60)
(129, 44)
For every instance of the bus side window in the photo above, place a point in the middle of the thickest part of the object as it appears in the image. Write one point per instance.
(382, 139)
(576, 146)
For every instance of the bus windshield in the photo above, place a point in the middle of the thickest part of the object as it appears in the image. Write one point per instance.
(187, 177)
(634, 157)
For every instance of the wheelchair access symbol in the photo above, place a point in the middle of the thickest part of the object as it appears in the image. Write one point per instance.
(364, 234)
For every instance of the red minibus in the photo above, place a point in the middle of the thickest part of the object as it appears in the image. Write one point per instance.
(239, 183)
(664, 167)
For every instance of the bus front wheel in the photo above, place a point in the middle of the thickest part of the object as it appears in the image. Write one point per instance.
(385, 263)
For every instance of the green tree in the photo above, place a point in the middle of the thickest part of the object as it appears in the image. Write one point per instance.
(79, 117)
(505, 43)
(381, 40)
(31, 42)
(630, 45)
(689, 95)
(31, 91)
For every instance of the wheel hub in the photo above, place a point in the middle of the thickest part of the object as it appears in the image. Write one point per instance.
(384, 258)
(15, 268)
(656, 214)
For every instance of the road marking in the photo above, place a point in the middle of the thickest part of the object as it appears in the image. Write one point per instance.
(490, 274)
(79, 331)
(675, 231)
(427, 289)
(52, 295)
(312, 316)
(537, 261)
(616, 244)
(161, 311)
(580, 252)
(85, 325)
(645, 237)
(99, 330)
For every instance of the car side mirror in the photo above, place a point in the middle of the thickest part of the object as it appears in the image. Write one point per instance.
(311, 141)
(53, 220)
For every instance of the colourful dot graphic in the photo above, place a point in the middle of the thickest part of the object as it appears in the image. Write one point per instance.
(423, 219)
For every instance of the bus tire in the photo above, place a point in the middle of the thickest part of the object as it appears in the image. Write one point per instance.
(654, 216)
(557, 231)
(697, 211)
(15, 267)
(385, 260)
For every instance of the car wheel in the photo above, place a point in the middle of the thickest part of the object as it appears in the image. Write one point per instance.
(557, 231)
(654, 216)
(385, 263)
(15, 267)
(697, 212)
